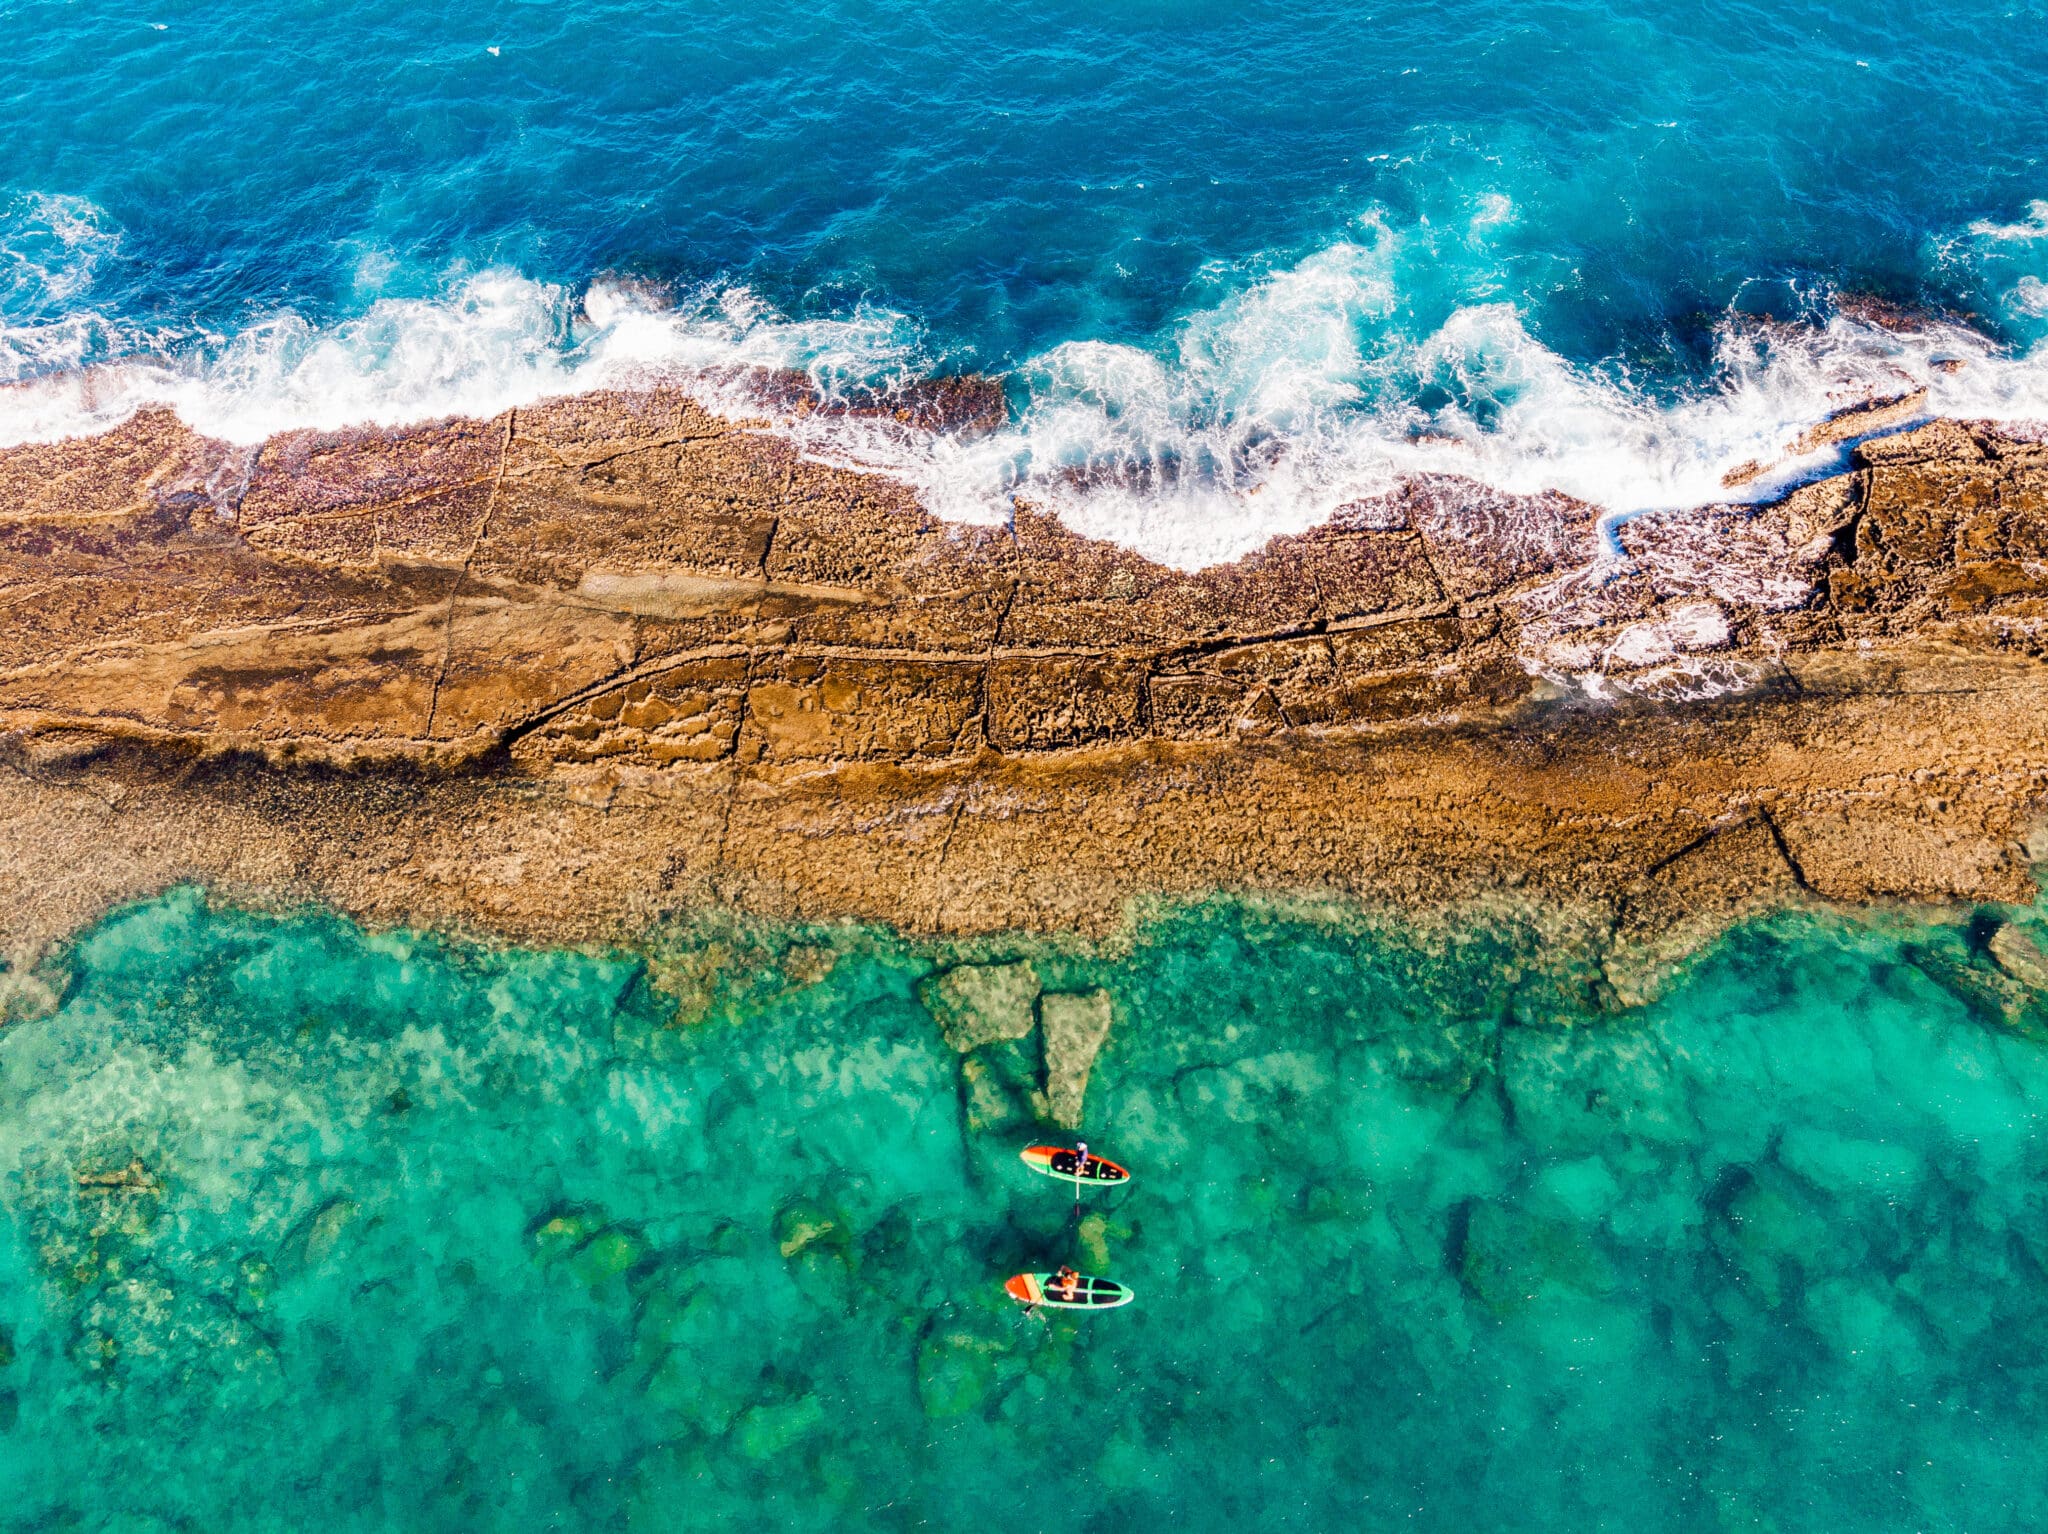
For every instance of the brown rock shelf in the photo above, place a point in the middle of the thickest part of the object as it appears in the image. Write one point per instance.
(563, 674)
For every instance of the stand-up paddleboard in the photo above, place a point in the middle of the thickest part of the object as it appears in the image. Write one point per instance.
(1057, 1161)
(1089, 1292)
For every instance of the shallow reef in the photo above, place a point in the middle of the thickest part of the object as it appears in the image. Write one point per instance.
(308, 1227)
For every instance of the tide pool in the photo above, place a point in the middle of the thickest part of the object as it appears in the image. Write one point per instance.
(307, 1228)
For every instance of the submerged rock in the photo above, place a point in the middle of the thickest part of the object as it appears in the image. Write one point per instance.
(254, 1280)
(1000, 1085)
(1995, 991)
(132, 1178)
(1094, 1233)
(805, 964)
(1508, 1258)
(955, 1373)
(612, 1253)
(1076, 1027)
(24, 996)
(690, 978)
(977, 1004)
(1796, 1172)
(558, 1234)
(585, 1242)
(961, 1359)
(316, 1238)
(803, 1223)
(2018, 952)
(770, 1430)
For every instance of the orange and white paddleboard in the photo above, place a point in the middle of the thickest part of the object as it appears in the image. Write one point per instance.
(1088, 1292)
(1059, 1162)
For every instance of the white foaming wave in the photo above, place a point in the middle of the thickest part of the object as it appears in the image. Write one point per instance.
(1197, 464)
(1262, 415)
(495, 340)
(2021, 231)
(1298, 395)
(1577, 430)
(51, 247)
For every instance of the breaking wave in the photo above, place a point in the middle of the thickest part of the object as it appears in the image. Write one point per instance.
(1299, 388)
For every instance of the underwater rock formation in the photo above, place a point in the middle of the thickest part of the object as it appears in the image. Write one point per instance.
(1076, 1028)
(977, 1004)
(728, 1268)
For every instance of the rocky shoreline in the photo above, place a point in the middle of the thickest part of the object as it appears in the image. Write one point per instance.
(576, 672)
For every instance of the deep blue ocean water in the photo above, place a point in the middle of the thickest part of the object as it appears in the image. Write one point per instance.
(303, 1228)
(1218, 247)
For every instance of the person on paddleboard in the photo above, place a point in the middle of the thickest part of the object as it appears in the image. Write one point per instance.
(1081, 1159)
(1066, 1285)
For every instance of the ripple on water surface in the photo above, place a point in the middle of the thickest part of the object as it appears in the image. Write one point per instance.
(312, 1229)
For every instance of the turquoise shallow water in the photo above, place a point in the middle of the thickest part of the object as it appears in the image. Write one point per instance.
(305, 1228)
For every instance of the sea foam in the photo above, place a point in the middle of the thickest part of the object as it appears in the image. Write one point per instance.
(1301, 388)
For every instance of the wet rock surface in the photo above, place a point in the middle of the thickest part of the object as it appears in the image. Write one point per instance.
(568, 672)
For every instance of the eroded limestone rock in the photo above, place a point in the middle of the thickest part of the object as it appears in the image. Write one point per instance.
(1692, 896)
(1861, 419)
(609, 658)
